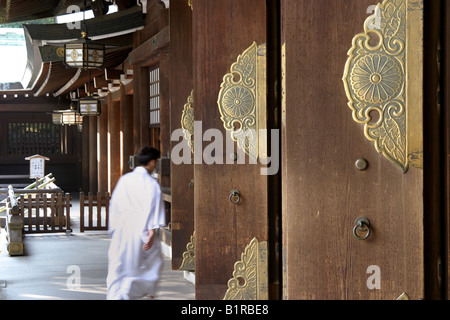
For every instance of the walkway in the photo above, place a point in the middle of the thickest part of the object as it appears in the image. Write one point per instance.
(52, 262)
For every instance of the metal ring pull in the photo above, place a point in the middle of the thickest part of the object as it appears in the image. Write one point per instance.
(235, 196)
(362, 224)
(191, 184)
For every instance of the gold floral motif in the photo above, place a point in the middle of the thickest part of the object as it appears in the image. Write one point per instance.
(250, 280)
(188, 263)
(376, 78)
(187, 121)
(242, 99)
(377, 82)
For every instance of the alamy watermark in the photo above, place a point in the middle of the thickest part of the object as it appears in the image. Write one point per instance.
(374, 280)
(73, 282)
(221, 149)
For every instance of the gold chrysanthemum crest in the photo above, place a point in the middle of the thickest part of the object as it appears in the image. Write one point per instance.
(242, 100)
(383, 90)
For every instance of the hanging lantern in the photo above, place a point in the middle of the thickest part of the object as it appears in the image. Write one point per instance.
(84, 54)
(68, 117)
(89, 106)
(71, 117)
(57, 117)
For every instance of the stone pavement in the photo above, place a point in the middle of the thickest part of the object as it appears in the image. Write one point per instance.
(49, 268)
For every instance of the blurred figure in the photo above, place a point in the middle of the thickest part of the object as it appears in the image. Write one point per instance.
(136, 212)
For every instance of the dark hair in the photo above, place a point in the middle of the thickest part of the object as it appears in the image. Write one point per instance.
(147, 154)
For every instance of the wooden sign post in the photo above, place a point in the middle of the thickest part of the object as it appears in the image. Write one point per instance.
(37, 167)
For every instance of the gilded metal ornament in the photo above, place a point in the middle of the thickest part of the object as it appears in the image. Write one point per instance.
(250, 276)
(188, 263)
(187, 121)
(243, 99)
(403, 296)
(383, 81)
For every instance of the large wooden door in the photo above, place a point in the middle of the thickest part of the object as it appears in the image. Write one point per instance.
(231, 199)
(339, 164)
(181, 102)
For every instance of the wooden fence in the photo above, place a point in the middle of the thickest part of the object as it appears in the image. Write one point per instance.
(46, 213)
(97, 207)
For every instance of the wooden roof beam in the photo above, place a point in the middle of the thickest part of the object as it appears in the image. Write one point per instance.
(112, 74)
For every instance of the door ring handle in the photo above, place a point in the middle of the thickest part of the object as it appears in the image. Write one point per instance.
(362, 224)
(235, 196)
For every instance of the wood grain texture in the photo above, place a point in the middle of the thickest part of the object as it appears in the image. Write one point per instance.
(323, 193)
(181, 85)
(221, 31)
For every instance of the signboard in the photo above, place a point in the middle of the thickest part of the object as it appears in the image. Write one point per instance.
(37, 166)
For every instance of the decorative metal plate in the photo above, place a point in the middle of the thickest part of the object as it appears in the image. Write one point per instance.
(250, 276)
(243, 99)
(188, 263)
(187, 121)
(383, 81)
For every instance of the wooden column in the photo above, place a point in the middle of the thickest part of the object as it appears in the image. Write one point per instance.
(164, 71)
(114, 149)
(144, 119)
(102, 145)
(126, 127)
(93, 167)
(433, 144)
(445, 91)
(181, 86)
(223, 30)
(136, 108)
(85, 150)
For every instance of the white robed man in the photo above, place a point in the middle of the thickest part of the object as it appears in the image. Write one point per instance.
(136, 212)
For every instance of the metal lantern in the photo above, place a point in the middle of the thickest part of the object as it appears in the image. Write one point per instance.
(71, 117)
(84, 54)
(89, 106)
(57, 118)
(68, 117)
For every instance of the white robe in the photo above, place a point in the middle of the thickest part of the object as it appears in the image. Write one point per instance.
(136, 206)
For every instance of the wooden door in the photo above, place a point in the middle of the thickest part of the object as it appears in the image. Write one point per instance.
(182, 174)
(231, 199)
(335, 171)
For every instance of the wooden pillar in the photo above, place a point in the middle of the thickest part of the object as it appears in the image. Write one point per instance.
(114, 167)
(93, 168)
(85, 150)
(126, 125)
(181, 86)
(136, 109)
(144, 119)
(223, 229)
(102, 145)
(445, 91)
(165, 99)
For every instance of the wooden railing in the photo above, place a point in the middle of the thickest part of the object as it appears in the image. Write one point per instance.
(45, 211)
(97, 207)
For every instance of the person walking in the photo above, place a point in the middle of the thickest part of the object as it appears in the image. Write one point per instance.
(136, 212)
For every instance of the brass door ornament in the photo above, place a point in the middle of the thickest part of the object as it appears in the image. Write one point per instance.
(383, 81)
(187, 121)
(250, 276)
(403, 296)
(243, 99)
(188, 263)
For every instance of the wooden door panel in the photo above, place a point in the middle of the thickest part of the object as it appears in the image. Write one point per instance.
(222, 30)
(323, 192)
(181, 86)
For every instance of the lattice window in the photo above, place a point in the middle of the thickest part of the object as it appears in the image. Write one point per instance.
(31, 138)
(155, 106)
